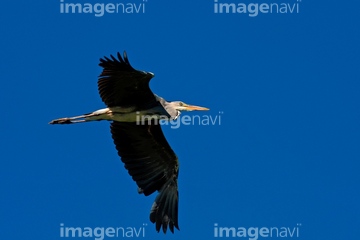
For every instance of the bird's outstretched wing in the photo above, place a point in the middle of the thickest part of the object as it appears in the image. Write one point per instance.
(153, 165)
(120, 85)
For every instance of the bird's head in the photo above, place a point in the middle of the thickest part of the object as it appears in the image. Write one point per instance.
(181, 106)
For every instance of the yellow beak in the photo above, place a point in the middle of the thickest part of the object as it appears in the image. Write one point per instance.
(192, 108)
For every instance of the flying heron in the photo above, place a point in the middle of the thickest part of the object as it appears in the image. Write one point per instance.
(135, 112)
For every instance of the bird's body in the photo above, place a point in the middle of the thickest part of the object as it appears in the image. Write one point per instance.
(125, 114)
(135, 113)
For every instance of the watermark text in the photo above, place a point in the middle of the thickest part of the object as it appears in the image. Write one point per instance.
(254, 233)
(100, 9)
(100, 233)
(254, 9)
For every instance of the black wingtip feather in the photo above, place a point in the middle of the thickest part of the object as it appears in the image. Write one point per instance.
(121, 63)
(164, 210)
(119, 57)
(126, 58)
(114, 59)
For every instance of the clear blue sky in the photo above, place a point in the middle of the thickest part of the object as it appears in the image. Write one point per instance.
(287, 86)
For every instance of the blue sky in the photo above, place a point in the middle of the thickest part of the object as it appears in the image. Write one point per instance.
(286, 87)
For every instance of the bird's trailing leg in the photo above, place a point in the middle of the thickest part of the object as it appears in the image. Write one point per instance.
(102, 114)
(77, 119)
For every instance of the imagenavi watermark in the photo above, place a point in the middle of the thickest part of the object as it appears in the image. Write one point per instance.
(101, 233)
(99, 9)
(255, 233)
(181, 120)
(254, 9)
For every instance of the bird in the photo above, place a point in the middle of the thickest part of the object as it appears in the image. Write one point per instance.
(135, 113)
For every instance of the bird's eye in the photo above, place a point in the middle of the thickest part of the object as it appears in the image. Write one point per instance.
(181, 104)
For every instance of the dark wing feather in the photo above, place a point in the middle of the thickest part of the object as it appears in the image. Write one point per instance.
(153, 165)
(121, 85)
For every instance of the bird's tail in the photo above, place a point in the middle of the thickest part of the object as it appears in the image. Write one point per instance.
(164, 211)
